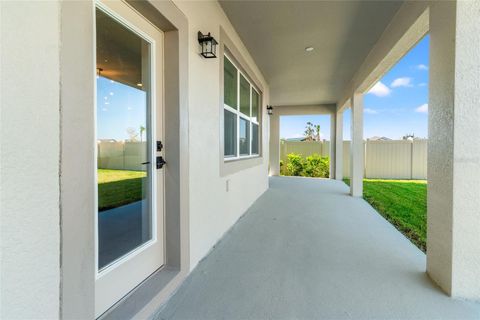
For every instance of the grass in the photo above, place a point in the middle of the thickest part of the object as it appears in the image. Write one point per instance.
(119, 187)
(403, 203)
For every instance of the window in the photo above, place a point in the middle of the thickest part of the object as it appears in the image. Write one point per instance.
(241, 114)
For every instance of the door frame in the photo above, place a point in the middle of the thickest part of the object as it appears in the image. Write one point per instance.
(152, 252)
(77, 162)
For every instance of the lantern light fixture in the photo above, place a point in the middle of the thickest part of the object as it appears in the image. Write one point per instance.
(269, 110)
(208, 45)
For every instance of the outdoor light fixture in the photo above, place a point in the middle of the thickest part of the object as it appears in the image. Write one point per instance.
(208, 44)
(269, 110)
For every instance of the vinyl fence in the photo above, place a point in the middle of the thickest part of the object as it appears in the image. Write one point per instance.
(393, 159)
(121, 155)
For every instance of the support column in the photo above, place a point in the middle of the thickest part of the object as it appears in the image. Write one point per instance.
(453, 217)
(274, 157)
(357, 148)
(339, 145)
(333, 139)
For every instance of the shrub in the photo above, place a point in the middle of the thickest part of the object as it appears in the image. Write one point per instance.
(313, 166)
(294, 165)
(316, 166)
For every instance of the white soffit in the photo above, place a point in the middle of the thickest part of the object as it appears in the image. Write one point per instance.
(277, 33)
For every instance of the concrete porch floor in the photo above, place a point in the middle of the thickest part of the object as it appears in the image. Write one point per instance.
(307, 250)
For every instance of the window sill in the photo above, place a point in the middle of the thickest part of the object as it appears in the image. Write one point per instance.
(233, 165)
(241, 158)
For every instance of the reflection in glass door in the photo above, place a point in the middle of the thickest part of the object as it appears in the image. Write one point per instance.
(129, 217)
(123, 133)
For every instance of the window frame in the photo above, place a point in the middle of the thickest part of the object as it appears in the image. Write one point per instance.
(239, 115)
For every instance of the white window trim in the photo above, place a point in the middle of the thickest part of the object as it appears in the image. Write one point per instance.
(239, 115)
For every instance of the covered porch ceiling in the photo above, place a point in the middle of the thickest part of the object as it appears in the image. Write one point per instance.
(276, 34)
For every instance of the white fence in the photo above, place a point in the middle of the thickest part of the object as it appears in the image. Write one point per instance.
(121, 155)
(304, 148)
(393, 159)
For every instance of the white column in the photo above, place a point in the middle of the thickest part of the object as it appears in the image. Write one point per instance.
(339, 145)
(357, 148)
(333, 139)
(453, 217)
(274, 156)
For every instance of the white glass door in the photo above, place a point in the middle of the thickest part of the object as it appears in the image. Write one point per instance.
(130, 188)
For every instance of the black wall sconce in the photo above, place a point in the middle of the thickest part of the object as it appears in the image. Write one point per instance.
(269, 110)
(208, 45)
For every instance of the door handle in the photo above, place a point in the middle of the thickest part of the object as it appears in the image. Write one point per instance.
(160, 162)
(148, 162)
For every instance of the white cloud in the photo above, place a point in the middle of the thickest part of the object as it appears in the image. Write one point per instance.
(370, 111)
(422, 67)
(380, 90)
(401, 82)
(423, 108)
(423, 84)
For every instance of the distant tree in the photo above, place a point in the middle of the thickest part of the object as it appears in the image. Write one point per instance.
(132, 134)
(142, 130)
(409, 136)
(312, 132)
(317, 132)
(309, 131)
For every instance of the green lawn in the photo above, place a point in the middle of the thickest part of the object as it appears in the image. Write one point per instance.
(119, 187)
(403, 203)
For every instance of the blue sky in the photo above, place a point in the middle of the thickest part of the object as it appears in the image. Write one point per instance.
(395, 106)
(119, 107)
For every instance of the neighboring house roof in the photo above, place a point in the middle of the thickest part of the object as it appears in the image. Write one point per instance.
(295, 139)
(414, 138)
(106, 140)
(376, 138)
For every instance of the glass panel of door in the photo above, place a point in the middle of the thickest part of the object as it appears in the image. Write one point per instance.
(124, 158)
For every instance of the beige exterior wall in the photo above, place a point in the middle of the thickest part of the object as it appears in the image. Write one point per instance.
(33, 283)
(29, 206)
(213, 208)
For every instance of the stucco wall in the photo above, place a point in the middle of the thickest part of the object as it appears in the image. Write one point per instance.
(466, 168)
(213, 209)
(453, 255)
(440, 144)
(30, 232)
